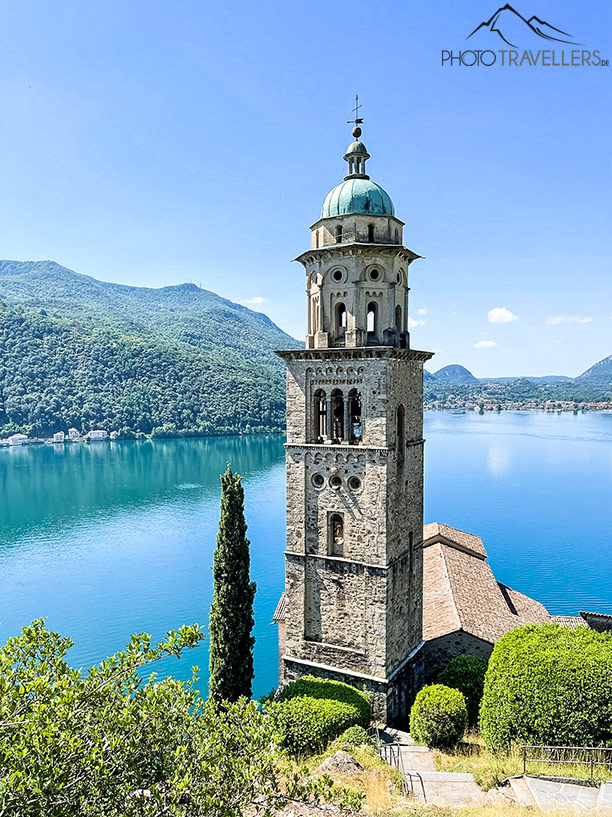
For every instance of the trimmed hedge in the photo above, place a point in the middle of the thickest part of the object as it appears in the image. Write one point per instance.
(467, 674)
(438, 717)
(311, 712)
(548, 684)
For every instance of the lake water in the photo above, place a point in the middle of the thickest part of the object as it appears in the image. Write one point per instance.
(109, 539)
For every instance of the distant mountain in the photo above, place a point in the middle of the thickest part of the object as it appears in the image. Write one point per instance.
(599, 373)
(427, 376)
(513, 29)
(548, 378)
(75, 351)
(455, 374)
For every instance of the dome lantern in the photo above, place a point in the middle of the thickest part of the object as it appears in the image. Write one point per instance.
(356, 156)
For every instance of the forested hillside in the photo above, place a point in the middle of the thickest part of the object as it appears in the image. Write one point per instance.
(79, 352)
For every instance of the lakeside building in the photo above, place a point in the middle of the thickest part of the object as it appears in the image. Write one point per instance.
(18, 439)
(59, 437)
(74, 434)
(97, 435)
(372, 596)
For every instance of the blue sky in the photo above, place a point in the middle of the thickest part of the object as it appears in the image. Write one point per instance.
(153, 143)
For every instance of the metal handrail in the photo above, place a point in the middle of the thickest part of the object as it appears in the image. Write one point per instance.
(590, 756)
(391, 753)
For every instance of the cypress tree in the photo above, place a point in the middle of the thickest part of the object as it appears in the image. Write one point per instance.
(231, 613)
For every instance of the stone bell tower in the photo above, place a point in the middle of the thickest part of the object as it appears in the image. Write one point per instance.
(352, 608)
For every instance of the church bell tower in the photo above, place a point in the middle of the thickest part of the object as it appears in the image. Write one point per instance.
(352, 608)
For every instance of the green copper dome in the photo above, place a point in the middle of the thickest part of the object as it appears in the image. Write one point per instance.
(355, 195)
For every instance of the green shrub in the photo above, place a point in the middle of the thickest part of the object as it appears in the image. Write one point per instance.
(307, 725)
(352, 737)
(438, 717)
(548, 684)
(311, 712)
(466, 673)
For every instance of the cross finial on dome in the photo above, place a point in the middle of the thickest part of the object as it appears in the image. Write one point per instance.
(357, 153)
(358, 120)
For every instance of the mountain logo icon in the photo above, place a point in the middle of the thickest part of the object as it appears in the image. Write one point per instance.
(513, 28)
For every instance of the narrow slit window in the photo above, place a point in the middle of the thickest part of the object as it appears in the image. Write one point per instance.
(339, 234)
(401, 440)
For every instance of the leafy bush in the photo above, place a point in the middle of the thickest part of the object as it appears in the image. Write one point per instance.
(438, 717)
(548, 684)
(352, 737)
(466, 673)
(311, 712)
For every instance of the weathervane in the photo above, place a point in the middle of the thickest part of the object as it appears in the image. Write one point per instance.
(357, 120)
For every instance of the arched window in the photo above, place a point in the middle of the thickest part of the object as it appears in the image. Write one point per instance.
(396, 236)
(371, 321)
(337, 415)
(320, 416)
(339, 234)
(340, 320)
(355, 416)
(317, 239)
(400, 434)
(398, 319)
(315, 316)
(371, 233)
(335, 535)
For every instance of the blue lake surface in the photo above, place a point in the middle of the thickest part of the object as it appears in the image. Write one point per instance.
(109, 539)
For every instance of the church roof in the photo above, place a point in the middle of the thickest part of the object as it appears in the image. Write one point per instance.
(573, 622)
(437, 532)
(281, 609)
(460, 592)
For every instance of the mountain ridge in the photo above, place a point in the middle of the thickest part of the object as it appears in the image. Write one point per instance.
(76, 351)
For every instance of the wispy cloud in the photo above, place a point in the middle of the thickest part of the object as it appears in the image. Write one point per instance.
(412, 323)
(500, 314)
(553, 320)
(253, 301)
(423, 311)
(485, 344)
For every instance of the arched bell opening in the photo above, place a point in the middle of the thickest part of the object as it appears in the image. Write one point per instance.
(354, 410)
(319, 430)
(337, 414)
